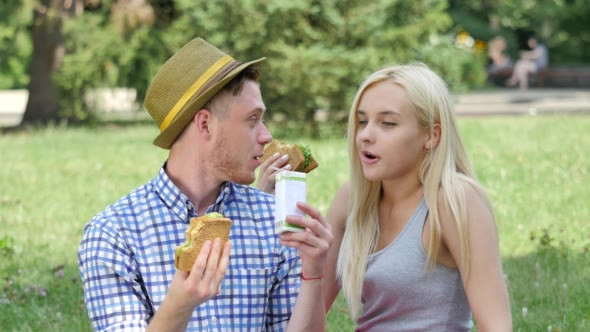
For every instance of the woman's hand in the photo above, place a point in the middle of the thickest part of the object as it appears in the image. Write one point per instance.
(313, 244)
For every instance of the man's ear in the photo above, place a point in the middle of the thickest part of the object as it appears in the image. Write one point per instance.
(433, 137)
(202, 121)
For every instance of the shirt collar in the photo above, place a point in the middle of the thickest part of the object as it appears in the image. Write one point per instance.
(178, 202)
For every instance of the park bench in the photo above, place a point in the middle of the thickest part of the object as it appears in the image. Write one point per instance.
(553, 76)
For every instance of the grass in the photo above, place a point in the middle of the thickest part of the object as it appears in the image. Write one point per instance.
(536, 170)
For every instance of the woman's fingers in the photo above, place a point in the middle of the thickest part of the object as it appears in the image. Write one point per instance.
(312, 212)
(309, 238)
(317, 226)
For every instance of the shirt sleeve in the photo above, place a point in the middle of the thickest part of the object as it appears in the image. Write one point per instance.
(285, 289)
(112, 290)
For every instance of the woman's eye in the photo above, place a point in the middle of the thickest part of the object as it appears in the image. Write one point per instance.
(389, 124)
(363, 122)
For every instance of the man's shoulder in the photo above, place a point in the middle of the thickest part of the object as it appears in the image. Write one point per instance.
(131, 204)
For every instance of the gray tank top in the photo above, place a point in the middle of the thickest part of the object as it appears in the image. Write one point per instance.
(399, 294)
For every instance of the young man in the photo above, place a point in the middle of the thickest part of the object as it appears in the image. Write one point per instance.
(209, 110)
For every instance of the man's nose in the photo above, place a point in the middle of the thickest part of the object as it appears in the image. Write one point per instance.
(264, 137)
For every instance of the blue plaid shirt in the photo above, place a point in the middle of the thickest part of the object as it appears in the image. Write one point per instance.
(126, 260)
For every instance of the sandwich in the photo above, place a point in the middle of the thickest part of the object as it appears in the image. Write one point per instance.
(300, 157)
(208, 227)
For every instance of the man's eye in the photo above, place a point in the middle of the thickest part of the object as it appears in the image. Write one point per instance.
(363, 122)
(389, 124)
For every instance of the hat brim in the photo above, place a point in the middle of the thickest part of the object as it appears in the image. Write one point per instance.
(169, 135)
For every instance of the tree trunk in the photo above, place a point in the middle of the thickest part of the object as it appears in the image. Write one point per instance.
(48, 51)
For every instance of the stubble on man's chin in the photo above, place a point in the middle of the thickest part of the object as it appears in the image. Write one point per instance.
(227, 167)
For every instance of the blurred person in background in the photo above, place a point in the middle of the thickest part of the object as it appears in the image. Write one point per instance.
(499, 61)
(531, 61)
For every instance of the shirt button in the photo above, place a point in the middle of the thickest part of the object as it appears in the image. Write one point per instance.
(213, 319)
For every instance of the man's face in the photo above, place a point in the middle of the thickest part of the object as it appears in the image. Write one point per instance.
(239, 136)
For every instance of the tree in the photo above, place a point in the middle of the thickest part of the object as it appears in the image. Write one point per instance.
(557, 23)
(48, 51)
(318, 51)
(15, 43)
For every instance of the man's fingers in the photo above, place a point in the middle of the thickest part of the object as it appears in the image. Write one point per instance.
(272, 159)
(212, 261)
(222, 265)
(200, 263)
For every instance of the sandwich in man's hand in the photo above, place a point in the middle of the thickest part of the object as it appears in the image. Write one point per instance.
(208, 227)
(300, 157)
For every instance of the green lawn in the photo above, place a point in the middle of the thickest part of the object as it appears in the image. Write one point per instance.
(536, 170)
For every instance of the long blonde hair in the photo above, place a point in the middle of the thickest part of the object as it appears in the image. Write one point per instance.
(445, 167)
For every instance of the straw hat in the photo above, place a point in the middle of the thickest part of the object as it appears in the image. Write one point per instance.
(185, 83)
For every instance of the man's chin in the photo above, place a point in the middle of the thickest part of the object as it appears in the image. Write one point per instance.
(243, 179)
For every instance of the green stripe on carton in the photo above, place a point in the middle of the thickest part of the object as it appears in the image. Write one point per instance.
(291, 178)
(286, 224)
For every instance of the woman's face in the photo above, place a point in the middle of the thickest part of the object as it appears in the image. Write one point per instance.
(389, 140)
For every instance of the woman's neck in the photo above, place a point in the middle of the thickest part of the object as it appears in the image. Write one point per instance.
(397, 192)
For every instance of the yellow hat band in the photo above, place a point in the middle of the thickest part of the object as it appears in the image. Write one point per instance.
(193, 89)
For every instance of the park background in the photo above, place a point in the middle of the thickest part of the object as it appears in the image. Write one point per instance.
(71, 155)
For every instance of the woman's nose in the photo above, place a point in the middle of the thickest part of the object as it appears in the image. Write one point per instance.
(365, 134)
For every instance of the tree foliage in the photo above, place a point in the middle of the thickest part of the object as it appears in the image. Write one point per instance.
(15, 43)
(559, 23)
(318, 51)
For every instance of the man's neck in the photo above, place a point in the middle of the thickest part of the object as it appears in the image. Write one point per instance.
(194, 180)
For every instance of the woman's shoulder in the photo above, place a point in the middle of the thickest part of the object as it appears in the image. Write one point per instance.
(467, 191)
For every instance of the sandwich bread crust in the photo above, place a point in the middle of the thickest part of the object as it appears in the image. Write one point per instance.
(296, 157)
(200, 230)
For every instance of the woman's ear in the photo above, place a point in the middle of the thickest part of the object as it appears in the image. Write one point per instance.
(433, 137)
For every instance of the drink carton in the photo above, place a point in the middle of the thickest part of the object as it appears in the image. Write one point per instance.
(290, 188)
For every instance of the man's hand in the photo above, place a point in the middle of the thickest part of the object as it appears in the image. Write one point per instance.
(190, 289)
(268, 170)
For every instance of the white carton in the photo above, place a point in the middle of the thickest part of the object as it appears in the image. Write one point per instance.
(290, 188)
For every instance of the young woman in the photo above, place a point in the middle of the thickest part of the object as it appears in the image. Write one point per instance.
(415, 243)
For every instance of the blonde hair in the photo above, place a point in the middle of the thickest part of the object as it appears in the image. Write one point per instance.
(445, 168)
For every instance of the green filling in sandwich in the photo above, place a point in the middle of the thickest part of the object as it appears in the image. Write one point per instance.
(306, 155)
(189, 241)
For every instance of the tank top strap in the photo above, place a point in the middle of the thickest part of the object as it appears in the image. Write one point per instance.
(416, 223)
